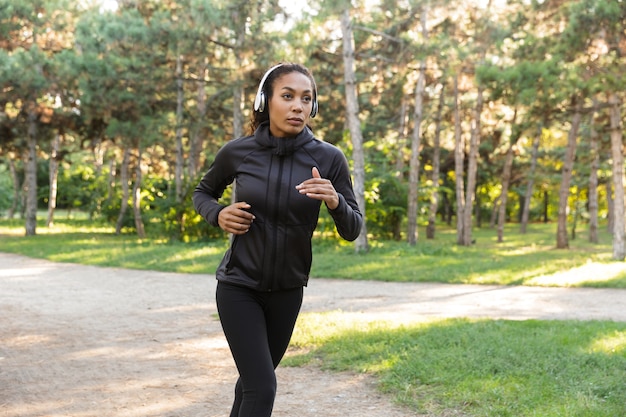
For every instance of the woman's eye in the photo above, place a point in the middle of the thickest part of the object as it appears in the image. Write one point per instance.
(307, 99)
(287, 96)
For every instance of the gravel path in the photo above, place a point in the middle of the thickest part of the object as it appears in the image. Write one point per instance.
(80, 341)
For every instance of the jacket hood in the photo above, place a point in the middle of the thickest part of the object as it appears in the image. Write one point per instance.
(282, 146)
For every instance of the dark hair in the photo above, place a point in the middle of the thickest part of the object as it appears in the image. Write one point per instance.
(268, 88)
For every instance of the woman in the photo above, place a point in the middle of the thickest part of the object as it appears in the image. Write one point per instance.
(282, 175)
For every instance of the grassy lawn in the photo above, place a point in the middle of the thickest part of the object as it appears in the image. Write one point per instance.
(460, 367)
(520, 259)
(453, 367)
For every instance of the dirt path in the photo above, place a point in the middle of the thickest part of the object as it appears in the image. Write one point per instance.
(80, 341)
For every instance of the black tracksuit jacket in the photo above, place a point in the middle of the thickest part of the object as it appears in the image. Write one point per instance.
(275, 253)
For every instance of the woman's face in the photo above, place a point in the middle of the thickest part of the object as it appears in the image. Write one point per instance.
(290, 104)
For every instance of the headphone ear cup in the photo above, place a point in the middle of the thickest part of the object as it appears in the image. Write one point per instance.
(259, 102)
(314, 108)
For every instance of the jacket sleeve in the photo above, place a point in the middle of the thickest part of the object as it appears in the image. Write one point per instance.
(212, 185)
(347, 216)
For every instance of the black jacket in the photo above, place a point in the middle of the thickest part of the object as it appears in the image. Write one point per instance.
(276, 252)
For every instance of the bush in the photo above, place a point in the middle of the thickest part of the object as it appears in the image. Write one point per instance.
(6, 189)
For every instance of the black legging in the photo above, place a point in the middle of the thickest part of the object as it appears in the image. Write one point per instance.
(258, 327)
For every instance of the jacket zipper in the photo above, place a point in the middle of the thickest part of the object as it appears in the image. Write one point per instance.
(275, 219)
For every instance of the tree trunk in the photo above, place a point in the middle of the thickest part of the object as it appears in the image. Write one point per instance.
(447, 209)
(617, 153)
(593, 182)
(609, 203)
(30, 175)
(477, 211)
(576, 214)
(414, 161)
(352, 115)
(472, 169)
(238, 88)
(99, 151)
(494, 212)
(506, 178)
(180, 158)
(546, 205)
(16, 186)
(111, 179)
(139, 226)
(125, 191)
(520, 203)
(238, 98)
(53, 179)
(459, 159)
(238, 104)
(568, 165)
(531, 181)
(196, 142)
(434, 197)
(402, 138)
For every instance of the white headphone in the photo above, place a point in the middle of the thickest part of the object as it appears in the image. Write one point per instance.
(260, 101)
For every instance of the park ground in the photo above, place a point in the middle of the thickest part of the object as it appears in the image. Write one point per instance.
(81, 340)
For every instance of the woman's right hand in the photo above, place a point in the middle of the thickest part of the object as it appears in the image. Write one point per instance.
(235, 218)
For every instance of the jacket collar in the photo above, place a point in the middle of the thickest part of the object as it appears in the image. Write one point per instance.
(282, 146)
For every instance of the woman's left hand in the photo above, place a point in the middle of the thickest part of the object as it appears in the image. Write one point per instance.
(320, 189)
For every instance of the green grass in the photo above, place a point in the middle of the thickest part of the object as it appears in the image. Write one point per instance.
(490, 368)
(520, 259)
(455, 367)
(84, 242)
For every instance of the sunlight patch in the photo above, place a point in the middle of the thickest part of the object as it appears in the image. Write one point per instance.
(615, 343)
(27, 340)
(590, 272)
(22, 272)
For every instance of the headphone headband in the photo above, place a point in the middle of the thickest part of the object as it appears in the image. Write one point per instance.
(260, 100)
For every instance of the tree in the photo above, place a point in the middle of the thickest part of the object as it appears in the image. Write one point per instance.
(506, 176)
(116, 50)
(35, 32)
(530, 182)
(414, 165)
(567, 171)
(593, 177)
(54, 175)
(165, 81)
(472, 169)
(617, 154)
(434, 198)
(459, 151)
(352, 116)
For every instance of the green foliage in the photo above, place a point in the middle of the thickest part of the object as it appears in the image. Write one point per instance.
(179, 221)
(6, 189)
(491, 368)
(110, 79)
(386, 210)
